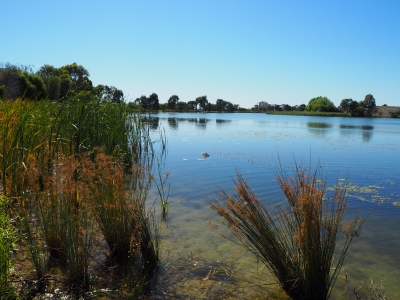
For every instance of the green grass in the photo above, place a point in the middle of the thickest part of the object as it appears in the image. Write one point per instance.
(8, 236)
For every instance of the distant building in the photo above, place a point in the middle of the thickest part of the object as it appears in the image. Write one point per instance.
(263, 104)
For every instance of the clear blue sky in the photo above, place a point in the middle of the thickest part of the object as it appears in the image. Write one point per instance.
(282, 52)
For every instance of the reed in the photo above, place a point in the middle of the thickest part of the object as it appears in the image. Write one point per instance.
(121, 213)
(8, 235)
(111, 209)
(62, 217)
(76, 167)
(37, 249)
(162, 194)
(296, 242)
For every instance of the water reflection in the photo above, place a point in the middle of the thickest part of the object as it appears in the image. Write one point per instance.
(173, 123)
(350, 130)
(319, 129)
(201, 123)
(318, 125)
(153, 122)
(363, 127)
(221, 122)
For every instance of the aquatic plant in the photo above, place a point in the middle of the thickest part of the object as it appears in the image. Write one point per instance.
(162, 194)
(296, 242)
(79, 173)
(8, 235)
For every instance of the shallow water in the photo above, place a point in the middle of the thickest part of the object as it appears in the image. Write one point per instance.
(363, 150)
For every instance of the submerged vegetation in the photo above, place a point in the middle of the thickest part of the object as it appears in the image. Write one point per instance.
(296, 242)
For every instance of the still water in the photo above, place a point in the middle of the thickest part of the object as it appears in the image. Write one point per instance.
(197, 263)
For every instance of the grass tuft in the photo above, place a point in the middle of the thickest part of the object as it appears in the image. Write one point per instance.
(297, 241)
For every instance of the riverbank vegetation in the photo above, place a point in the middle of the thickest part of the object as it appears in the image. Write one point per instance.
(76, 167)
(75, 177)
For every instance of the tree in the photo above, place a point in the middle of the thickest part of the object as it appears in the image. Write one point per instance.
(79, 77)
(220, 105)
(109, 94)
(181, 106)
(301, 107)
(172, 101)
(53, 87)
(369, 105)
(202, 101)
(143, 102)
(48, 71)
(345, 105)
(153, 102)
(32, 86)
(192, 105)
(9, 78)
(52, 80)
(287, 107)
(2, 91)
(355, 109)
(65, 85)
(321, 104)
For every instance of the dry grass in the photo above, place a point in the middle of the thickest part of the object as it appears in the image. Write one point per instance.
(384, 111)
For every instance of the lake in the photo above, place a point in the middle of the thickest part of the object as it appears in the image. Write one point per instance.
(198, 263)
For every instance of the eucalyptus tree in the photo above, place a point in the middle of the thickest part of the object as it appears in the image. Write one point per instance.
(345, 105)
(172, 101)
(192, 105)
(369, 105)
(153, 102)
(109, 94)
(182, 106)
(202, 101)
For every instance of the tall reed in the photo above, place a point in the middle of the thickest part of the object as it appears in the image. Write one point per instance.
(8, 236)
(296, 242)
(75, 167)
(120, 209)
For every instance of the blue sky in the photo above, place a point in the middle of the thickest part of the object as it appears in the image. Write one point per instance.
(282, 52)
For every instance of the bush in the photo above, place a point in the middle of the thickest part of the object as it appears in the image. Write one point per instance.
(395, 114)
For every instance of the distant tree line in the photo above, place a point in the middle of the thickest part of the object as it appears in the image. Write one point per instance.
(363, 108)
(201, 103)
(52, 83)
(58, 84)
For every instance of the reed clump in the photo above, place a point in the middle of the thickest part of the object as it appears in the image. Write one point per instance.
(295, 241)
(78, 173)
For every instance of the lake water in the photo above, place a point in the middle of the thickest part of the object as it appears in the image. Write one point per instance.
(363, 150)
